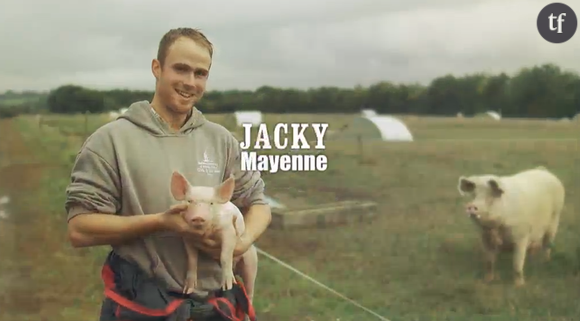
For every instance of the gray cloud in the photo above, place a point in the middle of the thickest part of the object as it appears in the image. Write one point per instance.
(110, 43)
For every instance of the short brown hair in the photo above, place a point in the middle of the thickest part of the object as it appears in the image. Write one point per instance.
(172, 35)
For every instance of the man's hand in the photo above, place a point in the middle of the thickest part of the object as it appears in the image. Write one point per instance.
(172, 220)
(242, 246)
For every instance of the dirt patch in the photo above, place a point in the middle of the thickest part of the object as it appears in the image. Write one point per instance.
(35, 241)
(13, 155)
(19, 176)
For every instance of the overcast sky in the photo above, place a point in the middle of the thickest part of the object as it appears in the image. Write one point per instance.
(110, 43)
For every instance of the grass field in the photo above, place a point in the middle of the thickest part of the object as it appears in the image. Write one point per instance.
(418, 260)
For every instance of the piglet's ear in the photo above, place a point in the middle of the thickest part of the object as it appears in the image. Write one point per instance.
(179, 186)
(225, 190)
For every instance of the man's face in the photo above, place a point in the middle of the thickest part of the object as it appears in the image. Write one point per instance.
(181, 81)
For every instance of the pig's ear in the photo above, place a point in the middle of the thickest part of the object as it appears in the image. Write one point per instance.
(179, 186)
(465, 185)
(225, 190)
(496, 189)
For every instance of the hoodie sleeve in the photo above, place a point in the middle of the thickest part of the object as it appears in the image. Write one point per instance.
(94, 186)
(249, 189)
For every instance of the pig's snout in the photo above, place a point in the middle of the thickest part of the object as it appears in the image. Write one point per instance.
(471, 210)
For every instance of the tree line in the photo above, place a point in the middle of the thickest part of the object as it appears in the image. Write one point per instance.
(543, 91)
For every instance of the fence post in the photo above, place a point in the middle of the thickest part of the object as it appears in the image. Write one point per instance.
(86, 124)
(360, 148)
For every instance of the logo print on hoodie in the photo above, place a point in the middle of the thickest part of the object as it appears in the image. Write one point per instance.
(207, 165)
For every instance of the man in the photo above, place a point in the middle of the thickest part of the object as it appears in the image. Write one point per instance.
(119, 193)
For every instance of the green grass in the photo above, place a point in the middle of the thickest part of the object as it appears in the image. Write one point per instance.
(418, 260)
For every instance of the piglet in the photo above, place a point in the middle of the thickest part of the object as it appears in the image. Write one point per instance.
(210, 210)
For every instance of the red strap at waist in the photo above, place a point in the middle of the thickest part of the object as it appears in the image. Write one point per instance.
(238, 312)
(109, 279)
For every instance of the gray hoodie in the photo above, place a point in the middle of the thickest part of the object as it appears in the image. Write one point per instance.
(124, 168)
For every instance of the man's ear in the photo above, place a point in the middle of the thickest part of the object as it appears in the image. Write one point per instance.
(156, 68)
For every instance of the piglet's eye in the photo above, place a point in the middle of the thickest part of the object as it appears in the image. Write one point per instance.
(210, 203)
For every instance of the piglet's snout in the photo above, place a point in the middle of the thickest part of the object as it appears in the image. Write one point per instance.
(197, 220)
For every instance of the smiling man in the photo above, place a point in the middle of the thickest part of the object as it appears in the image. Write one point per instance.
(119, 194)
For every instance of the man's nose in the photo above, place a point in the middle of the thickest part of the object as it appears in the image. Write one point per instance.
(190, 82)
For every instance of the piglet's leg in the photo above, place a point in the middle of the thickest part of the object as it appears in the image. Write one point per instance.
(247, 268)
(191, 277)
(229, 240)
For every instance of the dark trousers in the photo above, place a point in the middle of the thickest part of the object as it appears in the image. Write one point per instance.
(148, 295)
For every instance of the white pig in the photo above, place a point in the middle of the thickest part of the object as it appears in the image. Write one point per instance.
(211, 210)
(518, 212)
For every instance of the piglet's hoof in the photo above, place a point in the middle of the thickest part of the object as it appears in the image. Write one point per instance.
(228, 281)
(190, 282)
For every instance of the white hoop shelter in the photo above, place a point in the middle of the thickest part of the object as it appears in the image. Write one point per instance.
(115, 114)
(384, 128)
(493, 115)
(368, 112)
(274, 203)
(4, 201)
(243, 117)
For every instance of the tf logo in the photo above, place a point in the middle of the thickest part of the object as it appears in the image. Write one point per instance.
(557, 23)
